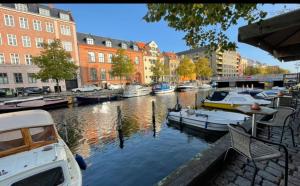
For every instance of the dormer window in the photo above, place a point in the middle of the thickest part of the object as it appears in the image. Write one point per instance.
(90, 41)
(44, 12)
(108, 43)
(123, 45)
(64, 16)
(135, 48)
(21, 7)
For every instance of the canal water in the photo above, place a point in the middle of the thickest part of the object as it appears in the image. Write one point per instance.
(140, 153)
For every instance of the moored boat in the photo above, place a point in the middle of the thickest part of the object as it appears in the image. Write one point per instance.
(230, 100)
(136, 90)
(205, 86)
(95, 99)
(32, 152)
(186, 87)
(163, 88)
(16, 101)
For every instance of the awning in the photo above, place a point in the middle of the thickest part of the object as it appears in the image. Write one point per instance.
(279, 35)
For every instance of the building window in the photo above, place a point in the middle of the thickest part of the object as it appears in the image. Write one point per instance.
(124, 46)
(24, 23)
(93, 74)
(44, 12)
(18, 77)
(37, 25)
(101, 57)
(90, 41)
(67, 46)
(9, 20)
(108, 43)
(109, 58)
(103, 74)
(111, 76)
(50, 41)
(135, 48)
(14, 58)
(49, 27)
(21, 7)
(31, 78)
(136, 60)
(2, 59)
(26, 41)
(3, 78)
(65, 30)
(64, 16)
(39, 42)
(28, 59)
(91, 57)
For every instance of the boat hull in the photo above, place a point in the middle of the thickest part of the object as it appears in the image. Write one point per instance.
(136, 93)
(225, 106)
(163, 91)
(90, 100)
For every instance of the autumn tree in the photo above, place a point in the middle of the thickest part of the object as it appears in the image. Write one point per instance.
(159, 70)
(204, 24)
(121, 65)
(186, 68)
(202, 68)
(252, 70)
(55, 63)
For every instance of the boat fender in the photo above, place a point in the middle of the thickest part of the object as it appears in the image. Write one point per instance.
(80, 162)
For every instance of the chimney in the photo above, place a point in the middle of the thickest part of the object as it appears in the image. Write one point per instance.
(50, 5)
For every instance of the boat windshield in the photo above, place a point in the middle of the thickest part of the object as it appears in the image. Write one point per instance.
(218, 96)
(24, 139)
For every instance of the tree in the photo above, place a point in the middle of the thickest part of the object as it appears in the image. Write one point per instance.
(159, 70)
(204, 24)
(121, 65)
(251, 70)
(186, 68)
(55, 63)
(202, 68)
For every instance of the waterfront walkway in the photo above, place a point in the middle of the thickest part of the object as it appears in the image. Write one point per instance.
(237, 172)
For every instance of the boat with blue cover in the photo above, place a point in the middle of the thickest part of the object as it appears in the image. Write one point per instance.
(162, 88)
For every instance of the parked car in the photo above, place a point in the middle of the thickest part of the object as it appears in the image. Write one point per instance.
(87, 88)
(115, 86)
(34, 90)
(2, 92)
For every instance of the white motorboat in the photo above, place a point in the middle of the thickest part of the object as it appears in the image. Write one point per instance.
(186, 87)
(163, 88)
(205, 86)
(136, 90)
(16, 101)
(231, 99)
(32, 153)
(210, 120)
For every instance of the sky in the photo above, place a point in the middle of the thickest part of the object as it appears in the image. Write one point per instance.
(125, 22)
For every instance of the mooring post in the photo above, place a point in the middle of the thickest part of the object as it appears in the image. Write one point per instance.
(196, 100)
(66, 131)
(119, 122)
(153, 112)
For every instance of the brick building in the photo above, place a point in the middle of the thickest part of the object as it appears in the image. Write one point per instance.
(24, 27)
(171, 60)
(96, 54)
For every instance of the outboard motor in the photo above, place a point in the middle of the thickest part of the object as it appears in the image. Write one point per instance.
(80, 162)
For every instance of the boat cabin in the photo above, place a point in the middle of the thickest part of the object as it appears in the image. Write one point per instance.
(217, 95)
(162, 86)
(24, 131)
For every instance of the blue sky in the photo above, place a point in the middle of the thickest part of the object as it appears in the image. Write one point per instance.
(124, 21)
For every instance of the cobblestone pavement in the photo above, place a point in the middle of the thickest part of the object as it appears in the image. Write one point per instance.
(237, 172)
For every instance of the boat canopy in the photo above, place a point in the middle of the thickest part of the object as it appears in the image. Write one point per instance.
(162, 86)
(25, 119)
(218, 95)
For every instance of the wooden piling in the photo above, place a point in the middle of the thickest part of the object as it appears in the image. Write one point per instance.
(196, 100)
(119, 120)
(153, 112)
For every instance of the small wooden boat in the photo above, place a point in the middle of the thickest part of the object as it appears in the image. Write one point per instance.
(207, 120)
(95, 99)
(32, 152)
(15, 101)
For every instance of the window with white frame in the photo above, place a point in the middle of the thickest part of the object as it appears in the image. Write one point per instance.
(18, 77)
(64, 16)
(49, 27)
(90, 41)
(124, 45)
(109, 58)
(9, 20)
(39, 42)
(31, 78)
(23, 23)
(11, 39)
(26, 41)
(136, 60)
(28, 59)
(21, 7)
(108, 43)
(44, 12)
(37, 25)
(101, 57)
(67, 46)
(103, 74)
(135, 48)
(91, 57)
(93, 74)
(65, 30)
(3, 78)
(2, 59)
(50, 41)
(14, 58)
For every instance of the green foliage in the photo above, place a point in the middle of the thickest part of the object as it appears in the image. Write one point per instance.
(202, 68)
(186, 68)
(55, 63)
(122, 65)
(159, 70)
(250, 70)
(204, 24)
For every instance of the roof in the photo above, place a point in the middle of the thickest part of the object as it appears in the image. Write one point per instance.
(24, 119)
(100, 41)
(171, 55)
(141, 45)
(34, 8)
(279, 35)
